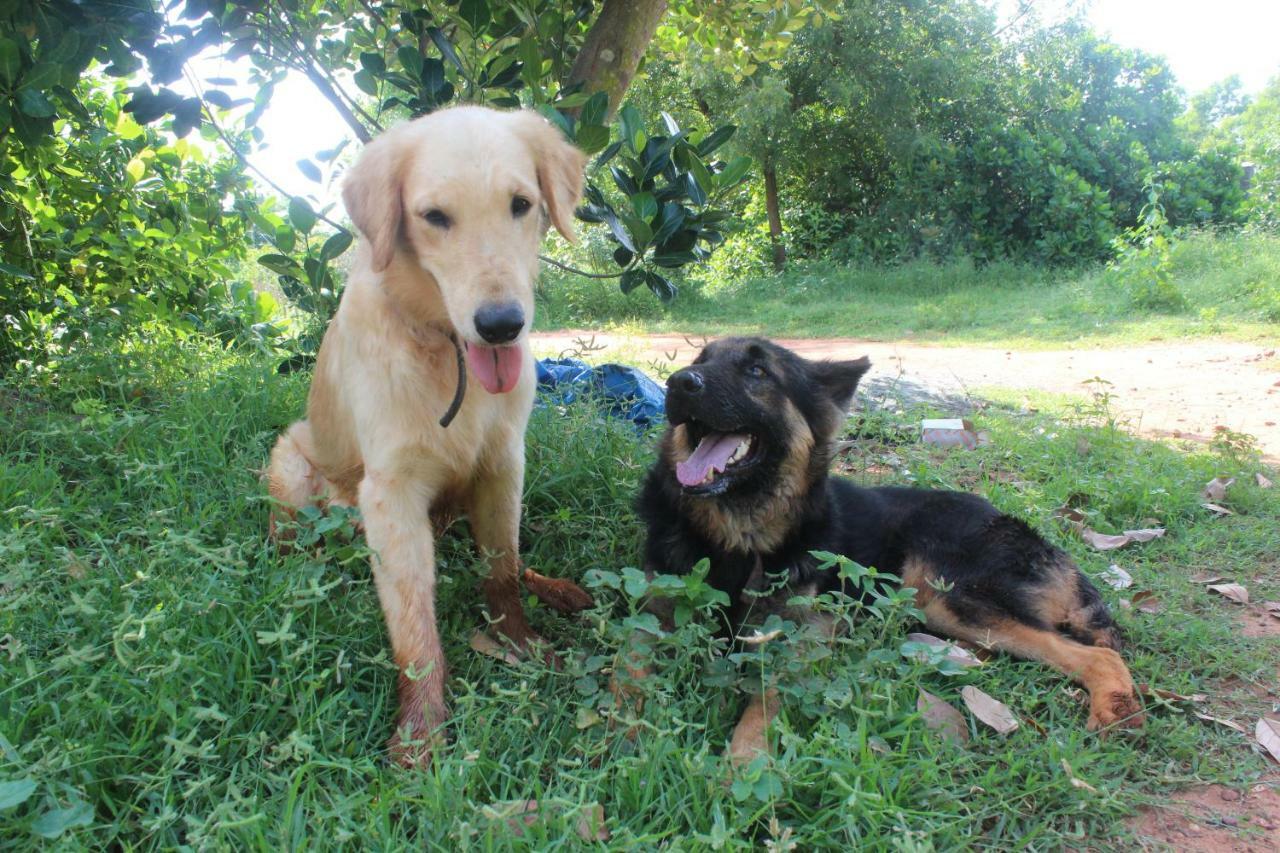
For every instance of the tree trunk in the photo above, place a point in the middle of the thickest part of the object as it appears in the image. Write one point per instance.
(775, 218)
(615, 44)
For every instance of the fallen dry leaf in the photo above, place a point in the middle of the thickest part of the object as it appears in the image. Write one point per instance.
(521, 813)
(1263, 482)
(1233, 591)
(1169, 695)
(1075, 782)
(1267, 733)
(954, 653)
(758, 639)
(1216, 489)
(942, 717)
(486, 645)
(1217, 510)
(1104, 541)
(1146, 601)
(1117, 578)
(1231, 724)
(1206, 577)
(1146, 534)
(990, 710)
(1272, 607)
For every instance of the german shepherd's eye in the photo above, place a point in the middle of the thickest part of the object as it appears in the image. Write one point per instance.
(520, 206)
(437, 217)
(755, 371)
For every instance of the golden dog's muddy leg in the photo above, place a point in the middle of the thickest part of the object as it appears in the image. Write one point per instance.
(494, 510)
(404, 572)
(751, 735)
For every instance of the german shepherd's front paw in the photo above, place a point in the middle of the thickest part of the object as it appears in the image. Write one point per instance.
(1118, 709)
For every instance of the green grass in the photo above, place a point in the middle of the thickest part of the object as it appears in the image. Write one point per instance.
(1231, 283)
(167, 679)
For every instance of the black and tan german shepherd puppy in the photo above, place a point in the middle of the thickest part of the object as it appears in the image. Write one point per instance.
(742, 479)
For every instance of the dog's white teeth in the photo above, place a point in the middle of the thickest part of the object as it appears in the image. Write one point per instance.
(742, 449)
(710, 475)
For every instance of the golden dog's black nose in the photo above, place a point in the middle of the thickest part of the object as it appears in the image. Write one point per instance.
(499, 324)
(686, 381)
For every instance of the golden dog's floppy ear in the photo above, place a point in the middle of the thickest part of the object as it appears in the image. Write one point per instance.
(371, 193)
(560, 166)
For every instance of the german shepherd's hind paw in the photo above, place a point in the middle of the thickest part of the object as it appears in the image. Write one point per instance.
(564, 596)
(1117, 710)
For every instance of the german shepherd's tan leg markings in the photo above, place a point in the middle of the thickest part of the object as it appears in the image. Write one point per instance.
(1099, 669)
(751, 735)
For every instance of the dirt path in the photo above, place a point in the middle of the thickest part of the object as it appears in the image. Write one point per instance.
(1182, 390)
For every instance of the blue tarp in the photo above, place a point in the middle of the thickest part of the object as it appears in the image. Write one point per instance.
(623, 391)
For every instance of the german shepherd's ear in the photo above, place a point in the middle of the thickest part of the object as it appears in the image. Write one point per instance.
(560, 169)
(840, 379)
(372, 195)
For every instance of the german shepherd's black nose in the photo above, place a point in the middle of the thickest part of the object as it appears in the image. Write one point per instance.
(687, 381)
(499, 324)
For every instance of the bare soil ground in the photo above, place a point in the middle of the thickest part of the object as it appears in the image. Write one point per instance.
(1184, 390)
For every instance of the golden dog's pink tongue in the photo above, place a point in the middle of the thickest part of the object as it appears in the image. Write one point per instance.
(497, 368)
(713, 452)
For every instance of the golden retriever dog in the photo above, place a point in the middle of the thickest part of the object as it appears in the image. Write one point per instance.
(452, 207)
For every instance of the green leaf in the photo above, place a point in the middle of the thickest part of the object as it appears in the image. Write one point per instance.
(41, 76)
(640, 231)
(338, 243)
(661, 287)
(373, 62)
(410, 59)
(474, 13)
(715, 139)
(644, 204)
(365, 81)
(16, 272)
(695, 192)
(16, 792)
(135, 169)
(619, 232)
(592, 137)
(311, 170)
(631, 279)
(632, 127)
(281, 264)
(34, 103)
(705, 182)
(673, 129)
(733, 173)
(301, 215)
(594, 110)
(54, 822)
(10, 60)
(445, 47)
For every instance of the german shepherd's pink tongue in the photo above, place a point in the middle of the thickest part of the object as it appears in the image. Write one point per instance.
(712, 453)
(497, 368)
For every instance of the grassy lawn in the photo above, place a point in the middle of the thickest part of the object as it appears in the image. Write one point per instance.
(1231, 284)
(167, 679)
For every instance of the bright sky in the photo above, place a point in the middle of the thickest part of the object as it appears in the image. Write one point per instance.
(1203, 41)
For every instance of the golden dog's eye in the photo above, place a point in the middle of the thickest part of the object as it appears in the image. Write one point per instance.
(520, 206)
(438, 218)
(755, 371)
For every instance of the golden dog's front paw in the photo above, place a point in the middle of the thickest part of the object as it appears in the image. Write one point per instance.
(414, 740)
